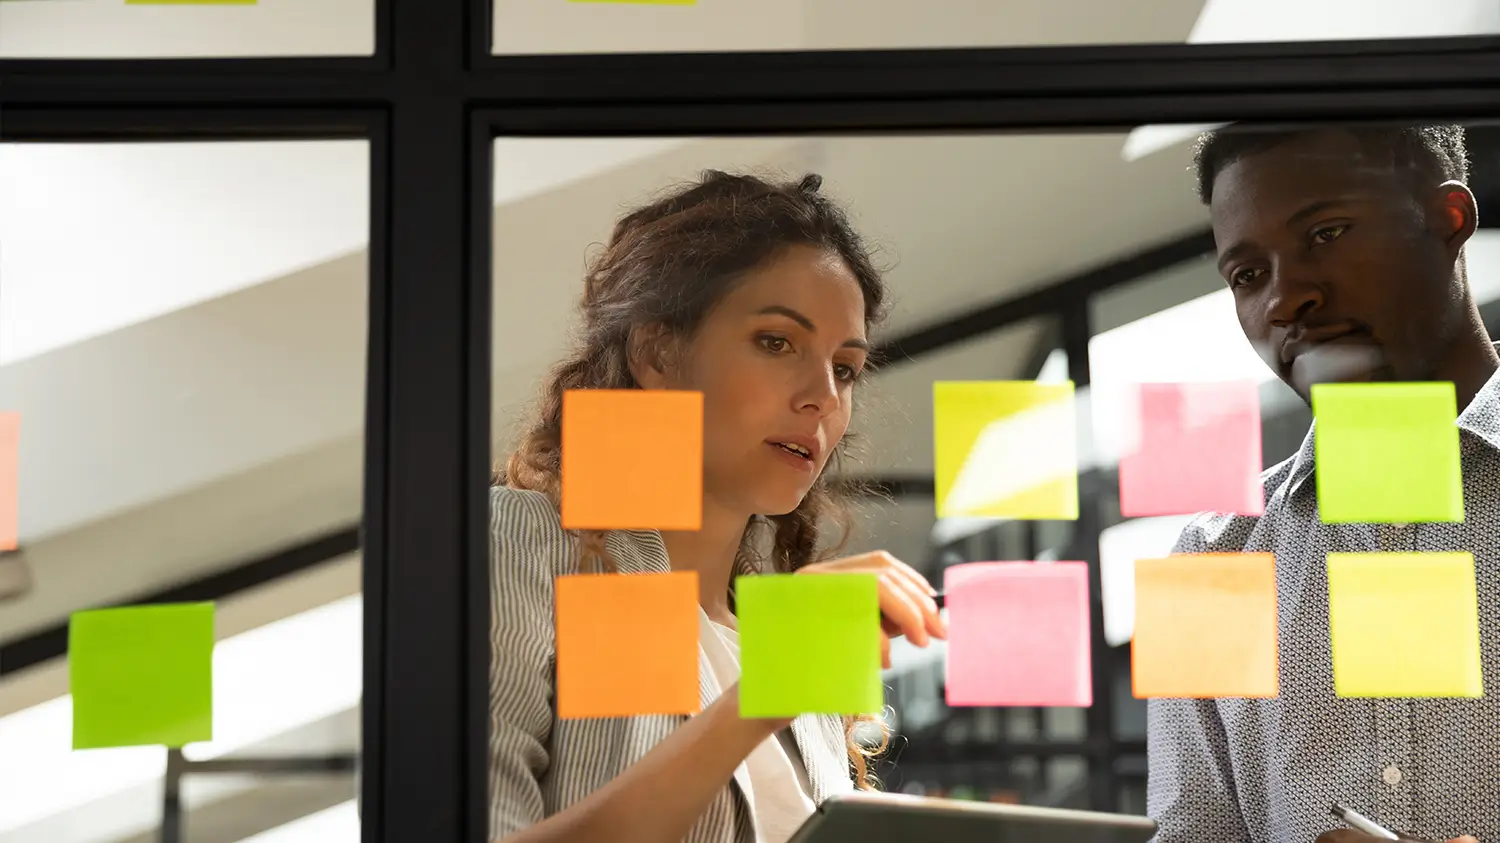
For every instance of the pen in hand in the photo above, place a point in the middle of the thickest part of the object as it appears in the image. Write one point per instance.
(1361, 823)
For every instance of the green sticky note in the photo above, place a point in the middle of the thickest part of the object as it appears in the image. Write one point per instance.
(1005, 449)
(1404, 625)
(809, 644)
(142, 675)
(1387, 453)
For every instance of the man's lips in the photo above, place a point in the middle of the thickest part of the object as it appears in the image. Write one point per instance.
(1311, 340)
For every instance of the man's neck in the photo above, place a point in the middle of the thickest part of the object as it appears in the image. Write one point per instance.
(1470, 363)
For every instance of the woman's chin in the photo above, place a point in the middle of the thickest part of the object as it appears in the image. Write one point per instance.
(780, 502)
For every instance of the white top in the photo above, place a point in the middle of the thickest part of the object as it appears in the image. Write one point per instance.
(779, 793)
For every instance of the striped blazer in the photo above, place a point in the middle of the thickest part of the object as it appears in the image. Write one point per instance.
(539, 764)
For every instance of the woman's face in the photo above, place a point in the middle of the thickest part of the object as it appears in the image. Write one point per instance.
(776, 362)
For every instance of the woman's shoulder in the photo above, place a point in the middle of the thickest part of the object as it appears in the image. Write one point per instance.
(526, 531)
(524, 511)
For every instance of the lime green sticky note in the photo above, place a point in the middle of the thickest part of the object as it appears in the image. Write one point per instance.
(1387, 453)
(1404, 625)
(1005, 449)
(809, 644)
(142, 675)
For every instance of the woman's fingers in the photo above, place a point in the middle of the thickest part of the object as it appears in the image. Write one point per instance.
(901, 607)
(885, 651)
(921, 592)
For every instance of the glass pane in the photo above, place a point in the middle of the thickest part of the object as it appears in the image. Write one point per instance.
(1048, 211)
(723, 25)
(112, 29)
(182, 332)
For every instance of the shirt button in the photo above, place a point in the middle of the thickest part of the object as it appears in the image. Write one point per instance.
(1391, 775)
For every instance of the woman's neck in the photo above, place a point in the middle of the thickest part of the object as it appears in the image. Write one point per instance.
(711, 552)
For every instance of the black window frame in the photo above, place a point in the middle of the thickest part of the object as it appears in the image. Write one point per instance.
(431, 100)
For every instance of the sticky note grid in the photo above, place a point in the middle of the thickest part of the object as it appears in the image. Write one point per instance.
(1018, 634)
(1005, 449)
(1205, 626)
(1404, 625)
(632, 459)
(1191, 448)
(142, 675)
(1387, 453)
(809, 643)
(627, 644)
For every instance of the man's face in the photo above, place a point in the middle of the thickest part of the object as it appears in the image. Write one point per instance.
(1340, 262)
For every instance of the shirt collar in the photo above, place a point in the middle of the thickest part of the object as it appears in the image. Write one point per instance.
(1481, 419)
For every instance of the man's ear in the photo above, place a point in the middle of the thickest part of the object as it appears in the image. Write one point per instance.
(647, 350)
(1456, 214)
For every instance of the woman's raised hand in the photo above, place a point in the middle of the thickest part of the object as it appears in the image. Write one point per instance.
(906, 604)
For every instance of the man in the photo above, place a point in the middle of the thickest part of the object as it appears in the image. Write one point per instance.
(1344, 250)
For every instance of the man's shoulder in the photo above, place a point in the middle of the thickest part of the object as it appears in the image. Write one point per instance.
(1222, 532)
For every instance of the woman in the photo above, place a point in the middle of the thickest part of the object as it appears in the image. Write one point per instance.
(760, 296)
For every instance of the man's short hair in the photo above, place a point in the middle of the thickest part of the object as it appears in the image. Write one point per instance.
(1431, 150)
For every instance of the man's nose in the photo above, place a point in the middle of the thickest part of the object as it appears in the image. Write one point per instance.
(1294, 293)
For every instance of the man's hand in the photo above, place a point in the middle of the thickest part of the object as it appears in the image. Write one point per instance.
(1348, 835)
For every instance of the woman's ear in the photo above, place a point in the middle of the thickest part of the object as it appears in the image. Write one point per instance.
(646, 348)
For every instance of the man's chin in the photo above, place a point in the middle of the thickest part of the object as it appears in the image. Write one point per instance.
(1303, 387)
(1336, 364)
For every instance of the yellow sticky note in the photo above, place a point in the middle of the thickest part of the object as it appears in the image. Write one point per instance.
(632, 459)
(603, 671)
(1205, 626)
(1005, 449)
(1404, 625)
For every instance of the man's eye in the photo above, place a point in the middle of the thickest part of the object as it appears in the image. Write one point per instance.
(1243, 277)
(1329, 234)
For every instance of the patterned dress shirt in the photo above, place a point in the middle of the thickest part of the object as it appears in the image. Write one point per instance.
(1267, 770)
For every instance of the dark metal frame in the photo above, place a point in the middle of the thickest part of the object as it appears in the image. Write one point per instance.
(429, 102)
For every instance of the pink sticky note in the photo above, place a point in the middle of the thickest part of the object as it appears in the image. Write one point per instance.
(10, 441)
(1193, 447)
(1018, 634)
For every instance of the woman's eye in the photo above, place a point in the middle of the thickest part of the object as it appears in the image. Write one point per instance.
(774, 345)
(845, 372)
(1329, 234)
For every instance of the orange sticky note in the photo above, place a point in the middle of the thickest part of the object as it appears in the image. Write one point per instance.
(10, 443)
(632, 459)
(1205, 626)
(627, 644)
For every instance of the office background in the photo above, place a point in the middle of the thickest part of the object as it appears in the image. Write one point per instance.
(267, 310)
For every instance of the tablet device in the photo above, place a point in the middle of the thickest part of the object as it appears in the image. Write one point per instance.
(895, 818)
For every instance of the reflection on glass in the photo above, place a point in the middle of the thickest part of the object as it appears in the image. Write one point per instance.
(719, 26)
(182, 330)
(111, 29)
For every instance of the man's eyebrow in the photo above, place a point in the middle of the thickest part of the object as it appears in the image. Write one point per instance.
(1231, 253)
(807, 324)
